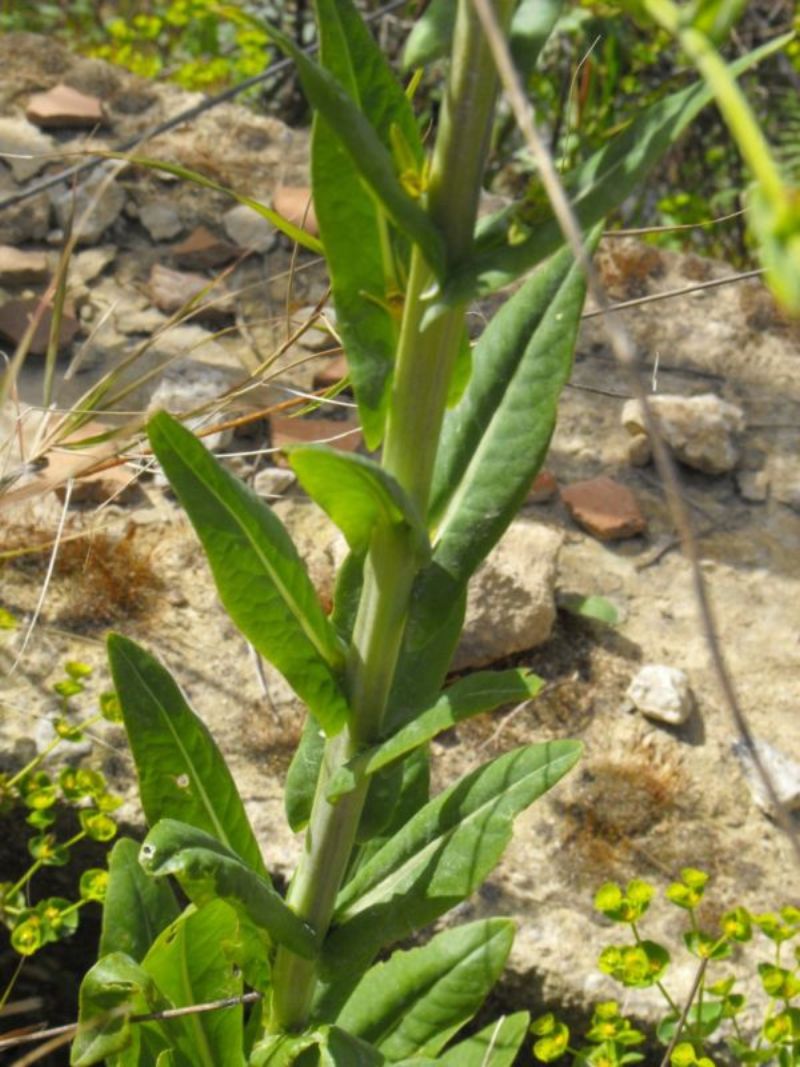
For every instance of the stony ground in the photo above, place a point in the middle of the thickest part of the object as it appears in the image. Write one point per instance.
(648, 798)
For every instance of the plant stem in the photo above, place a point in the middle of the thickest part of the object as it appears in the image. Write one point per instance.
(425, 358)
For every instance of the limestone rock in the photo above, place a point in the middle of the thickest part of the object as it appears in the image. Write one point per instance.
(28, 220)
(605, 508)
(784, 774)
(95, 205)
(273, 481)
(702, 431)
(511, 602)
(19, 267)
(89, 264)
(247, 229)
(186, 385)
(662, 693)
(161, 220)
(24, 148)
(319, 334)
(63, 107)
(753, 486)
(171, 290)
(784, 480)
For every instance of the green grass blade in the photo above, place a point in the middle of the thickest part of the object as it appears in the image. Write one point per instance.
(207, 870)
(260, 577)
(415, 1002)
(181, 772)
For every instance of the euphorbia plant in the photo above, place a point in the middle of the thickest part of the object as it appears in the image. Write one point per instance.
(461, 434)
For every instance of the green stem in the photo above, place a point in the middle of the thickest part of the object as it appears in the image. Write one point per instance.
(26, 877)
(424, 364)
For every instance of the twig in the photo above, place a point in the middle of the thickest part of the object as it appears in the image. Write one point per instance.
(68, 1029)
(683, 291)
(625, 353)
(698, 978)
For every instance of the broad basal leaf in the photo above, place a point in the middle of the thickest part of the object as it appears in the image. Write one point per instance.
(207, 870)
(495, 440)
(259, 575)
(181, 772)
(414, 1003)
(357, 494)
(136, 909)
(472, 695)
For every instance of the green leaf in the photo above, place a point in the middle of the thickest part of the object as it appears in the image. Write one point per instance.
(193, 962)
(346, 595)
(136, 908)
(207, 870)
(417, 1000)
(181, 772)
(598, 186)
(590, 607)
(113, 990)
(531, 26)
(281, 1050)
(494, 1046)
(301, 779)
(341, 1049)
(495, 440)
(259, 575)
(430, 35)
(363, 285)
(439, 857)
(479, 692)
(363, 145)
(357, 494)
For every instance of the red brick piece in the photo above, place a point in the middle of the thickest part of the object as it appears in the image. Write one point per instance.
(63, 108)
(604, 508)
(202, 250)
(343, 434)
(331, 374)
(15, 316)
(117, 482)
(294, 203)
(171, 290)
(544, 488)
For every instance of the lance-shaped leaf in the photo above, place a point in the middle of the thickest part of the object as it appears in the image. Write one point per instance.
(496, 1045)
(363, 145)
(417, 1000)
(434, 862)
(363, 285)
(477, 693)
(495, 440)
(207, 870)
(113, 990)
(194, 961)
(182, 774)
(357, 494)
(136, 909)
(260, 577)
(301, 778)
(597, 187)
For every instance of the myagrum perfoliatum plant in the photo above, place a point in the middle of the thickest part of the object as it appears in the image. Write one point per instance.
(461, 433)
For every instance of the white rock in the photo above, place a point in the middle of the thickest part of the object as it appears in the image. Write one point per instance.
(753, 485)
(662, 693)
(24, 148)
(784, 773)
(319, 335)
(85, 266)
(186, 385)
(511, 603)
(701, 430)
(273, 481)
(161, 220)
(784, 479)
(247, 229)
(95, 205)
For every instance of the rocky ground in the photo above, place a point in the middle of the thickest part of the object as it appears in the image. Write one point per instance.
(655, 791)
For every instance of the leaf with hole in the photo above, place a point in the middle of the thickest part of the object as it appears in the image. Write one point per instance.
(206, 871)
(260, 577)
(182, 774)
(136, 909)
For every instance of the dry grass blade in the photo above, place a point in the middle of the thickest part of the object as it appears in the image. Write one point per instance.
(625, 353)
